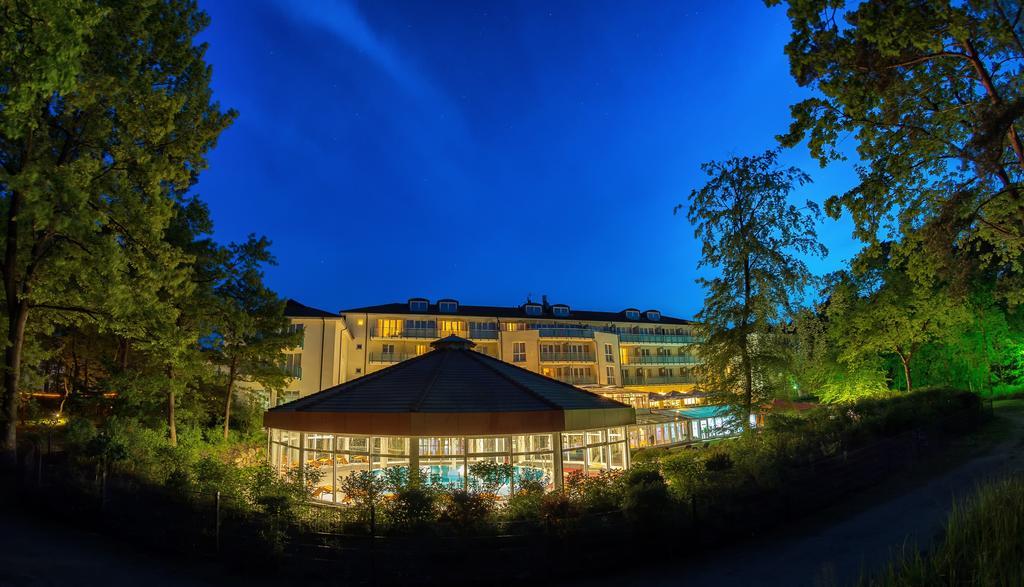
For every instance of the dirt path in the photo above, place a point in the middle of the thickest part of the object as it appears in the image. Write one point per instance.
(825, 552)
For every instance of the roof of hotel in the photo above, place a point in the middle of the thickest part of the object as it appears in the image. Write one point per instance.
(450, 390)
(294, 309)
(515, 312)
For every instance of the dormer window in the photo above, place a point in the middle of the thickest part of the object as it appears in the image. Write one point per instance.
(653, 315)
(418, 305)
(633, 314)
(560, 310)
(533, 309)
(448, 306)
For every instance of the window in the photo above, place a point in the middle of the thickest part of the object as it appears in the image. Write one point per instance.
(389, 328)
(560, 311)
(653, 315)
(609, 354)
(448, 306)
(293, 365)
(418, 305)
(633, 314)
(446, 327)
(533, 309)
(298, 328)
(519, 352)
(422, 349)
(610, 371)
(387, 349)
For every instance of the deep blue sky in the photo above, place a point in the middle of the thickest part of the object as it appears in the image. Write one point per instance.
(490, 150)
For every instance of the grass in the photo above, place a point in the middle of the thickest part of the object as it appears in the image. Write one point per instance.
(983, 544)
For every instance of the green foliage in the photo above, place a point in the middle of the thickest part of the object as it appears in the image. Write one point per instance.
(924, 90)
(647, 501)
(527, 502)
(107, 114)
(490, 477)
(754, 239)
(878, 309)
(595, 493)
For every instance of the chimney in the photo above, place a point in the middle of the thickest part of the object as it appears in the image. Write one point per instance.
(544, 302)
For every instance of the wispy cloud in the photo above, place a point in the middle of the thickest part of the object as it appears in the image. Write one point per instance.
(343, 19)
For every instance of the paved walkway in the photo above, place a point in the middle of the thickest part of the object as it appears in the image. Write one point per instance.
(825, 552)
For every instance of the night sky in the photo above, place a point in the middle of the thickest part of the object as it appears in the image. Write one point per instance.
(491, 150)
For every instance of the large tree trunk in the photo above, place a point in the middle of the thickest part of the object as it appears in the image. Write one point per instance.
(227, 402)
(748, 376)
(905, 359)
(17, 315)
(12, 373)
(171, 424)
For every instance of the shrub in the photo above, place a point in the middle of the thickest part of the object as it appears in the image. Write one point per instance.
(718, 461)
(646, 501)
(526, 502)
(466, 511)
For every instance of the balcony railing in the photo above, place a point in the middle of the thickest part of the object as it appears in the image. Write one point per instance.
(660, 360)
(566, 332)
(563, 357)
(483, 334)
(578, 379)
(655, 380)
(433, 333)
(659, 338)
(391, 357)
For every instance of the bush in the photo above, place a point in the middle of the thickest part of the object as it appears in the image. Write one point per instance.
(646, 501)
(526, 502)
(466, 511)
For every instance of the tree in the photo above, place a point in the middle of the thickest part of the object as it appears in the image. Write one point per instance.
(876, 308)
(934, 94)
(107, 110)
(751, 234)
(250, 330)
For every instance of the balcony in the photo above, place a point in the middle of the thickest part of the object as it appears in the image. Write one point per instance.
(658, 339)
(661, 360)
(409, 333)
(577, 379)
(432, 334)
(388, 358)
(566, 332)
(654, 380)
(561, 357)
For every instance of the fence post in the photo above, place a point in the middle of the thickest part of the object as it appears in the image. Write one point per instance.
(217, 523)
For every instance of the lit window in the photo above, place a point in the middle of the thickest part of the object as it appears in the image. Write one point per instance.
(388, 328)
(633, 314)
(609, 354)
(448, 307)
(446, 327)
(533, 309)
(519, 352)
(293, 365)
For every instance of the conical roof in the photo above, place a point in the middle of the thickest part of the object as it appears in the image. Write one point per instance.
(452, 390)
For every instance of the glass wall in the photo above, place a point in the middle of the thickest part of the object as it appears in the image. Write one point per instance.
(592, 451)
(443, 460)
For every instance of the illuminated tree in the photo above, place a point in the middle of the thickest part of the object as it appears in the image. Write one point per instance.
(877, 309)
(933, 94)
(106, 112)
(750, 235)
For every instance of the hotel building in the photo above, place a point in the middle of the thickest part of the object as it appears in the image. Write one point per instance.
(631, 349)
